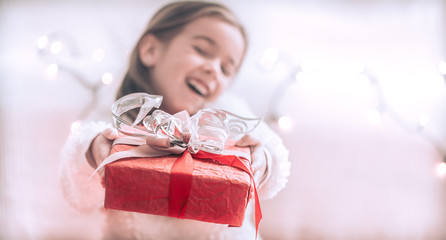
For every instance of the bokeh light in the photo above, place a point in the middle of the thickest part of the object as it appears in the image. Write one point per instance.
(285, 123)
(42, 42)
(107, 78)
(269, 58)
(441, 169)
(52, 70)
(75, 125)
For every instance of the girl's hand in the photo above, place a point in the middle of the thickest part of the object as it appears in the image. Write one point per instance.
(100, 147)
(259, 159)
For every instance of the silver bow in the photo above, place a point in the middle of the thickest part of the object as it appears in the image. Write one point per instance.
(208, 130)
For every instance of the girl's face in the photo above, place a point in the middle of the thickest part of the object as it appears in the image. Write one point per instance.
(197, 65)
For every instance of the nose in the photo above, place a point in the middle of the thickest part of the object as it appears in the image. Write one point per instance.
(212, 67)
(212, 72)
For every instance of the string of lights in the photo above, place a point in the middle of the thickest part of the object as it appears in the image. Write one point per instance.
(271, 57)
(58, 50)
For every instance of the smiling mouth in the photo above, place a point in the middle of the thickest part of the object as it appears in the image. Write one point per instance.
(198, 87)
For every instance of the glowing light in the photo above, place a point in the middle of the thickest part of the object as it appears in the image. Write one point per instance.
(107, 78)
(98, 55)
(374, 117)
(42, 42)
(56, 47)
(441, 169)
(52, 70)
(442, 67)
(271, 54)
(423, 119)
(269, 58)
(75, 125)
(300, 77)
(285, 123)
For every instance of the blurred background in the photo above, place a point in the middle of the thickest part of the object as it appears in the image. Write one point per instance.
(356, 89)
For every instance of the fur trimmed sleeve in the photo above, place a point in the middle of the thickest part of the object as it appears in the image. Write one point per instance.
(278, 165)
(81, 192)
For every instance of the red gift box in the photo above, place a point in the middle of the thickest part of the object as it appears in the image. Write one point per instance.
(218, 193)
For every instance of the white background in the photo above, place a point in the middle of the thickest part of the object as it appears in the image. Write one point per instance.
(350, 178)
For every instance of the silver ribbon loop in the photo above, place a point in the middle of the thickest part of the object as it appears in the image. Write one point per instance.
(144, 101)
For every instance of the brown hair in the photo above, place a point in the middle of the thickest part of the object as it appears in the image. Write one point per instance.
(165, 25)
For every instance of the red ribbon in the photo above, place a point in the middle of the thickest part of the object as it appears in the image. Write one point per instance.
(181, 179)
(180, 182)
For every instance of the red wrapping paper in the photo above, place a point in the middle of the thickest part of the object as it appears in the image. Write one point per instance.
(218, 193)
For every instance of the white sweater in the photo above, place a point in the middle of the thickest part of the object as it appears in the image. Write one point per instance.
(87, 195)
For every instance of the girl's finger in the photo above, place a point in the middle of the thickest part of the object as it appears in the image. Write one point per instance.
(158, 141)
(247, 141)
(110, 133)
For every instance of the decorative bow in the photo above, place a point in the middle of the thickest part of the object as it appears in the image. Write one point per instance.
(208, 130)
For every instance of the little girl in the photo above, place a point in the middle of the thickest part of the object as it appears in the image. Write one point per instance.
(189, 53)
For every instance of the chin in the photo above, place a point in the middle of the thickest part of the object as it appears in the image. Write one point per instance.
(192, 110)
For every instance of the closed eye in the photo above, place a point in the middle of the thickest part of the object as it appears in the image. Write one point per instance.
(225, 71)
(200, 51)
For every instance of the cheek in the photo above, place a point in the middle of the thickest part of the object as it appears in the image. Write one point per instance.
(181, 66)
(221, 88)
(172, 72)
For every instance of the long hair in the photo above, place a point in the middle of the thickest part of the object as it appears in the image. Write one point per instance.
(165, 25)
